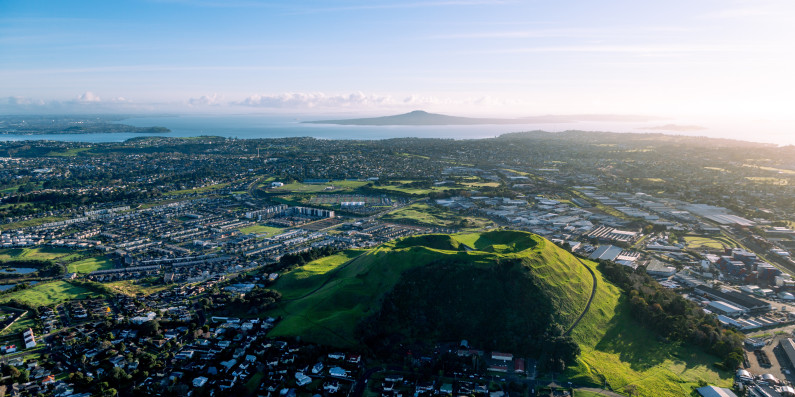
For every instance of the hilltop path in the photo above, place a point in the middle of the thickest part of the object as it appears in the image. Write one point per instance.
(587, 305)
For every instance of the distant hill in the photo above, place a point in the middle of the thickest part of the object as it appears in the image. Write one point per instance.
(419, 117)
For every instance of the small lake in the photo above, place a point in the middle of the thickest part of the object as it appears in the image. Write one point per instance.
(7, 287)
(18, 270)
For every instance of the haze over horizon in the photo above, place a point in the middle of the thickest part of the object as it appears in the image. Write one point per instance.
(724, 64)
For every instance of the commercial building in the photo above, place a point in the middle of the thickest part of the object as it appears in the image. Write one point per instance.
(714, 391)
(742, 301)
(725, 308)
(788, 345)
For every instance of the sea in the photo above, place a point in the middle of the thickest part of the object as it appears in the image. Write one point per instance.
(250, 126)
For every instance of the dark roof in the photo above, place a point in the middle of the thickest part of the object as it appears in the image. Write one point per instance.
(734, 298)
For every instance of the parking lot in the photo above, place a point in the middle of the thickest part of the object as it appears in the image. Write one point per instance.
(778, 362)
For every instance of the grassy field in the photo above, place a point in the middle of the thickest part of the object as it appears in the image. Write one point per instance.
(37, 253)
(19, 326)
(332, 187)
(13, 334)
(772, 169)
(89, 265)
(134, 287)
(768, 180)
(428, 215)
(200, 190)
(716, 169)
(699, 242)
(69, 152)
(261, 229)
(416, 191)
(46, 294)
(481, 184)
(31, 222)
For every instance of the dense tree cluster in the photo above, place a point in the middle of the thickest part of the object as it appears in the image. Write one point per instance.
(672, 316)
(302, 258)
(490, 307)
(261, 298)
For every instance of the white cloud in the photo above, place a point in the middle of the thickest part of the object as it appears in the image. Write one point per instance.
(88, 97)
(206, 100)
(315, 100)
(22, 101)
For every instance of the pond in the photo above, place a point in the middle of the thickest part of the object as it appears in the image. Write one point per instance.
(18, 270)
(7, 287)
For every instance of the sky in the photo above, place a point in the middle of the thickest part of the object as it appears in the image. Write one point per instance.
(687, 59)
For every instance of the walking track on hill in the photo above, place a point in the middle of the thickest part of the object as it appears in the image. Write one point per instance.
(587, 305)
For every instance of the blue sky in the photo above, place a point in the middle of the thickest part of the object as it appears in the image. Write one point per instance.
(692, 58)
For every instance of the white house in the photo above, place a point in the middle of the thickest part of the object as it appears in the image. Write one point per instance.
(200, 381)
(301, 379)
(30, 339)
(337, 372)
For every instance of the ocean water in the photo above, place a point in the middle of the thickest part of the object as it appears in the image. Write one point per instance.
(266, 126)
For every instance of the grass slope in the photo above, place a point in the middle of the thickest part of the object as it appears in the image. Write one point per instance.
(615, 347)
(46, 294)
(619, 350)
(345, 291)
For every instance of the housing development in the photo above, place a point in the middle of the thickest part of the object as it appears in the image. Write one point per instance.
(154, 266)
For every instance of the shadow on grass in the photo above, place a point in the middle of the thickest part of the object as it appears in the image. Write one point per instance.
(634, 344)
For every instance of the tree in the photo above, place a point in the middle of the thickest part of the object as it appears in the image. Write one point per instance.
(150, 328)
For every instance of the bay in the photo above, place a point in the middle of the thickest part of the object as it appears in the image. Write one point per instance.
(257, 126)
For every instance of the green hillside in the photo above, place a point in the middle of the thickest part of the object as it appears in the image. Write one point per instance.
(341, 297)
(325, 300)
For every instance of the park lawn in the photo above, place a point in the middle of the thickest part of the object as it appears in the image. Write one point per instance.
(481, 184)
(31, 222)
(768, 180)
(134, 287)
(699, 242)
(402, 188)
(414, 155)
(36, 253)
(19, 326)
(89, 265)
(716, 169)
(428, 215)
(69, 152)
(204, 189)
(261, 229)
(334, 187)
(777, 170)
(46, 294)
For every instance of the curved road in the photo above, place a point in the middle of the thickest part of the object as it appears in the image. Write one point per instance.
(588, 305)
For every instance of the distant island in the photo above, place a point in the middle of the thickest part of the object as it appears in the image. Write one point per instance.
(46, 125)
(420, 117)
